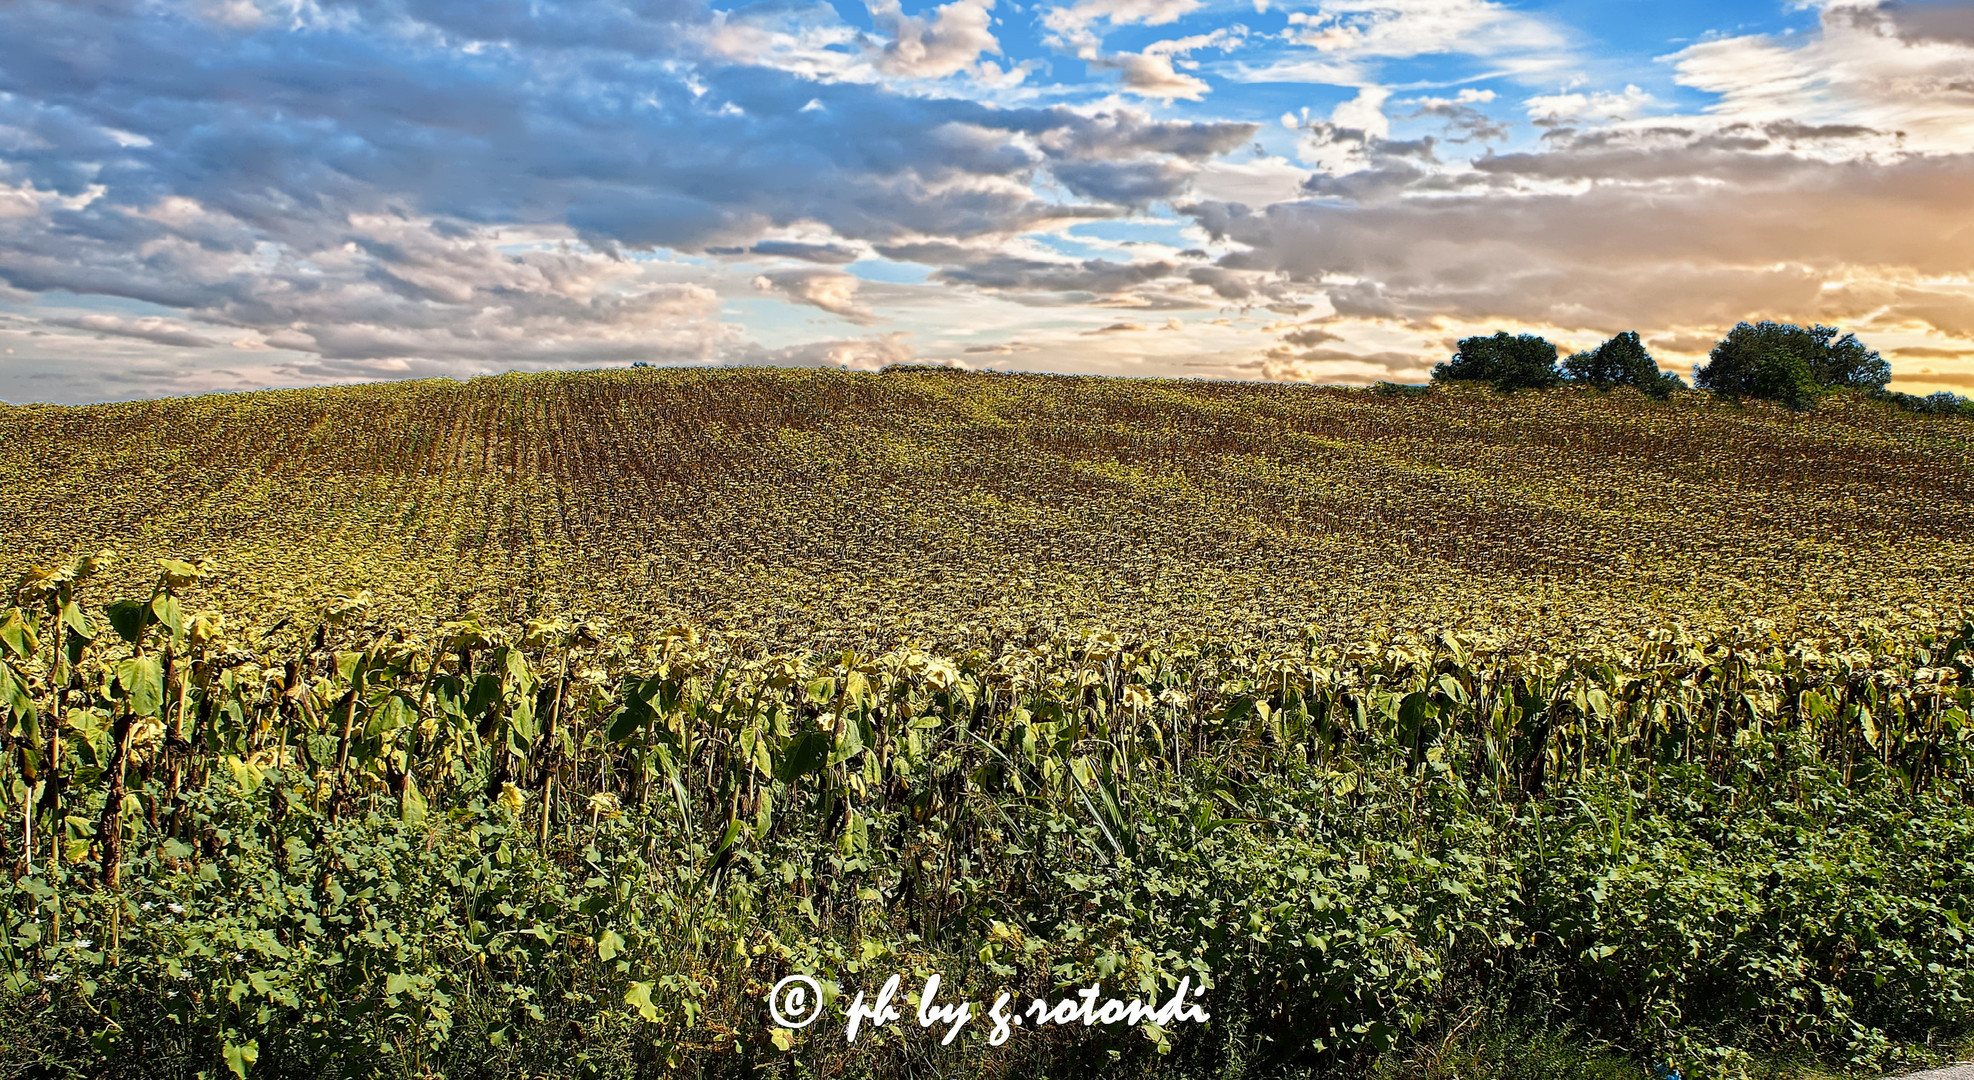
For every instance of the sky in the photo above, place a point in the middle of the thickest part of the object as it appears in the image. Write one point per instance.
(213, 195)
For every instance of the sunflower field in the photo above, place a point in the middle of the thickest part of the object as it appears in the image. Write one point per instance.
(538, 725)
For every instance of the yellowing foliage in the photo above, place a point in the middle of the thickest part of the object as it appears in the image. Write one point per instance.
(827, 509)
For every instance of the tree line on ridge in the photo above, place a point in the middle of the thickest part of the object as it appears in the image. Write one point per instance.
(1771, 361)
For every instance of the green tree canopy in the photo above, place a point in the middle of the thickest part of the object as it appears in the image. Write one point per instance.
(1621, 361)
(1788, 363)
(1508, 361)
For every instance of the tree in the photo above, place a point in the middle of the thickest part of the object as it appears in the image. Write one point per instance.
(1621, 361)
(1509, 362)
(1788, 363)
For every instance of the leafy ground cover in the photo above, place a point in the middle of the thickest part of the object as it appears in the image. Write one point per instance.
(1443, 734)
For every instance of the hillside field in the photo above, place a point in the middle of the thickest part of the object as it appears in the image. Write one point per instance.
(537, 726)
(812, 508)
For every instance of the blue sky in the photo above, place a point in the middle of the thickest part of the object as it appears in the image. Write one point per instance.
(226, 194)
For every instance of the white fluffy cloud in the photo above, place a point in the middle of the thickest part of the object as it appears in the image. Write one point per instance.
(950, 41)
(1151, 75)
(830, 290)
(1597, 107)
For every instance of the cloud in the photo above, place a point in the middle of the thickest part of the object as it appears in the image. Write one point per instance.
(1342, 365)
(999, 270)
(1364, 113)
(1406, 28)
(1072, 27)
(829, 290)
(1896, 68)
(1512, 241)
(1689, 342)
(1950, 22)
(1726, 238)
(1355, 137)
(1151, 75)
(1248, 288)
(1224, 39)
(147, 328)
(1469, 96)
(1351, 37)
(1556, 109)
(1463, 117)
(1151, 72)
(1004, 348)
(1133, 182)
(1256, 182)
(837, 254)
(1938, 378)
(396, 186)
(1310, 336)
(383, 188)
(1770, 204)
(858, 354)
(372, 288)
(949, 42)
